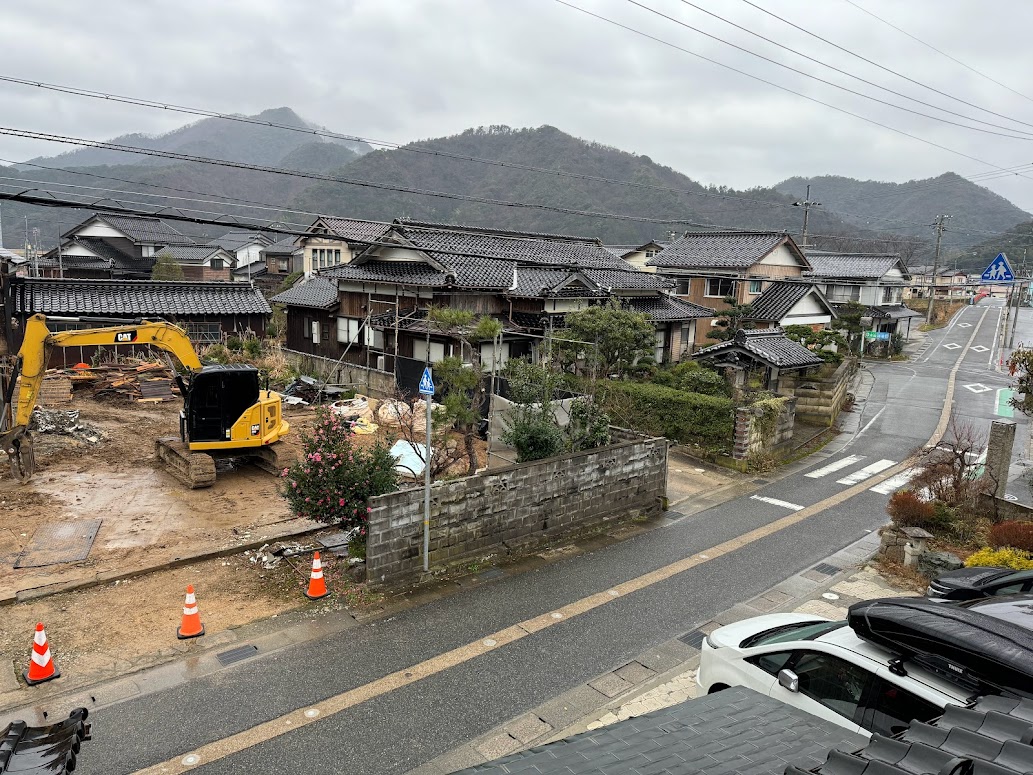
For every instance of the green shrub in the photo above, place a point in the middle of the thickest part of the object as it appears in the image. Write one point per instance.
(1014, 535)
(693, 378)
(234, 344)
(690, 418)
(253, 347)
(533, 433)
(333, 481)
(1001, 558)
(589, 426)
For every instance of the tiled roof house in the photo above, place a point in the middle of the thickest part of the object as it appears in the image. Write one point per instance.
(709, 267)
(527, 281)
(332, 241)
(111, 246)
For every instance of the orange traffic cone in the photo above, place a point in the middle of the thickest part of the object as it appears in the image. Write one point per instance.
(191, 626)
(41, 664)
(316, 584)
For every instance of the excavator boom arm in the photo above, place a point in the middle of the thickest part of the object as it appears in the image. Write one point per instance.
(39, 341)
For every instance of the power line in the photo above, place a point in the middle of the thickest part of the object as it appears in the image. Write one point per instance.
(825, 81)
(778, 85)
(445, 154)
(938, 51)
(882, 67)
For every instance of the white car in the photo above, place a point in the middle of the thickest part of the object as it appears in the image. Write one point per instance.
(824, 668)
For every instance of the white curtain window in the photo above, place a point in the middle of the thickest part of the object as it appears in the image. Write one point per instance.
(658, 352)
(315, 332)
(488, 355)
(419, 351)
(352, 330)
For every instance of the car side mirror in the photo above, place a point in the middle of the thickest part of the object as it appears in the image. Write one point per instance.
(789, 680)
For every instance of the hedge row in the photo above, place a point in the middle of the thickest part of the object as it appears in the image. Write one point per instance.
(689, 418)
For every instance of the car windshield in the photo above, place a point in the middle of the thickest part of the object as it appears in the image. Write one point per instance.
(791, 632)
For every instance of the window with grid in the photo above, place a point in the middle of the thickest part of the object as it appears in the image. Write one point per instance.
(204, 332)
(217, 263)
(720, 287)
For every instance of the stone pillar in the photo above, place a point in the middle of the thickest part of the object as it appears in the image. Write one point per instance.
(998, 454)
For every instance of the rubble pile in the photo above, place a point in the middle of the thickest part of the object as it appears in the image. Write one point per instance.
(65, 423)
(141, 381)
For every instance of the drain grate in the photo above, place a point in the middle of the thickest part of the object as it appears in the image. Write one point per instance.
(57, 542)
(236, 655)
(827, 569)
(693, 638)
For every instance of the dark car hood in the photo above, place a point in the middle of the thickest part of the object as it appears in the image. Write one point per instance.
(971, 578)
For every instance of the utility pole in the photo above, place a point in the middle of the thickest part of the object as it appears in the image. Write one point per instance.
(941, 222)
(806, 204)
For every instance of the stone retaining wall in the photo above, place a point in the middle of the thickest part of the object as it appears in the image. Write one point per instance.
(819, 401)
(750, 438)
(515, 508)
(1005, 510)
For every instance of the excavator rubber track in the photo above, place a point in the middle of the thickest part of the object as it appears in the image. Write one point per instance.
(194, 469)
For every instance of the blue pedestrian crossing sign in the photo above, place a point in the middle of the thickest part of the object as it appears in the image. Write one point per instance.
(426, 383)
(999, 271)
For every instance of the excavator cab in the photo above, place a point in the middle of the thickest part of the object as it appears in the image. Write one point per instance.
(215, 400)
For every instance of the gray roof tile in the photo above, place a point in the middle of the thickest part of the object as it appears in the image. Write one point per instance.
(860, 266)
(317, 292)
(718, 249)
(235, 240)
(770, 346)
(355, 230)
(779, 298)
(193, 254)
(734, 731)
(286, 245)
(151, 231)
(662, 308)
(137, 298)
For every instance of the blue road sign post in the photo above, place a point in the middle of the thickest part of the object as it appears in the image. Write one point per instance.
(427, 390)
(999, 271)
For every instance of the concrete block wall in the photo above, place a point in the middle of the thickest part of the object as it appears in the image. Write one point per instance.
(513, 508)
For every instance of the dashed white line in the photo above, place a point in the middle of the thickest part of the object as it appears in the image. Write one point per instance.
(777, 502)
(833, 467)
(866, 473)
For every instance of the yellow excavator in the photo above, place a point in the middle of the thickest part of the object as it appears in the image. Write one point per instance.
(225, 412)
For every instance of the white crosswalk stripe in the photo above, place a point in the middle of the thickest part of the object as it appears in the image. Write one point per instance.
(894, 483)
(866, 473)
(833, 467)
(777, 502)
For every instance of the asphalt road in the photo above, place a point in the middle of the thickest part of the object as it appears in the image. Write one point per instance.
(398, 730)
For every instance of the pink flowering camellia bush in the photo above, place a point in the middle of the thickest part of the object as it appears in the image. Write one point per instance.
(334, 480)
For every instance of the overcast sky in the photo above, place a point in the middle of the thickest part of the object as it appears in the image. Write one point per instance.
(401, 70)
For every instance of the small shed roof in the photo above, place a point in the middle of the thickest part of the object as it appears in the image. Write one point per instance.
(769, 346)
(313, 292)
(779, 298)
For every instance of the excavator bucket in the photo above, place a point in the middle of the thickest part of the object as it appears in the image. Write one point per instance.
(22, 457)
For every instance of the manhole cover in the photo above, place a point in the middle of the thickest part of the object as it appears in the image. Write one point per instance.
(694, 638)
(236, 655)
(57, 542)
(827, 569)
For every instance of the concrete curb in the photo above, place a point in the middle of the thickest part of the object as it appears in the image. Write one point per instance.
(106, 577)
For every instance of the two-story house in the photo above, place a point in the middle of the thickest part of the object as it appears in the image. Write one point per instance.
(200, 262)
(111, 247)
(638, 255)
(246, 246)
(876, 280)
(333, 241)
(708, 267)
(529, 282)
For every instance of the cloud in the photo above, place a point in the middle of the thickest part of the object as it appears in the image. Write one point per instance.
(409, 69)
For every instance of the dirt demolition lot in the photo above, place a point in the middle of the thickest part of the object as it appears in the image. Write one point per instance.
(148, 517)
(149, 520)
